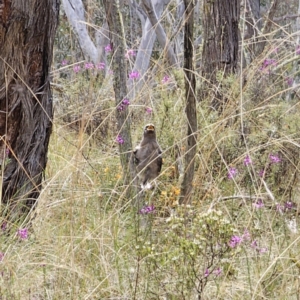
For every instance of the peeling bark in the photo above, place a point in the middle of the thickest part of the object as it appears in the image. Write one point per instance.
(27, 32)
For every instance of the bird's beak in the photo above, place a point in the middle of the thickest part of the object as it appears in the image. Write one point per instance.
(150, 128)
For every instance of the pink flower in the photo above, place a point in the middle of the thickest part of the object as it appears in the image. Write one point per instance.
(149, 110)
(166, 79)
(218, 271)
(232, 173)
(289, 205)
(4, 226)
(298, 49)
(246, 236)
(134, 75)
(289, 81)
(89, 65)
(206, 273)
(125, 102)
(108, 48)
(130, 53)
(258, 204)
(263, 250)
(119, 140)
(23, 233)
(64, 62)
(254, 244)
(274, 158)
(261, 173)
(76, 68)
(147, 209)
(1, 256)
(247, 160)
(100, 66)
(235, 241)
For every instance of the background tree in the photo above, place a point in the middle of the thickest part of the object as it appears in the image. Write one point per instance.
(119, 66)
(220, 22)
(26, 43)
(190, 106)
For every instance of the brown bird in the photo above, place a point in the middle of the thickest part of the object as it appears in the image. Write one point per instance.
(148, 157)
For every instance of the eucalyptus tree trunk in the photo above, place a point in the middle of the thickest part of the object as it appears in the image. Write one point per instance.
(27, 30)
(220, 53)
(160, 32)
(190, 108)
(119, 67)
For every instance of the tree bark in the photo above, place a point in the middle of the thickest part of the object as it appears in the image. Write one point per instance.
(119, 66)
(27, 30)
(160, 33)
(75, 12)
(191, 113)
(220, 44)
(266, 28)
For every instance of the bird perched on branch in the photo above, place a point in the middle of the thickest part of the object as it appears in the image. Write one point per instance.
(148, 157)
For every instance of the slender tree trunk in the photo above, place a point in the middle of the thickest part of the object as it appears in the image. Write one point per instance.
(267, 27)
(190, 86)
(119, 66)
(27, 30)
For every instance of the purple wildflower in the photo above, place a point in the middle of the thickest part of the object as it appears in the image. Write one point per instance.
(274, 158)
(149, 110)
(108, 48)
(261, 173)
(130, 53)
(125, 102)
(1, 256)
(23, 233)
(263, 250)
(289, 205)
(89, 65)
(166, 79)
(289, 81)
(4, 226)
(76, 68)
(147, 209)
(298, 49)
(254, 244)
(119, 140)
(100, 66)
(235, 241)
(232, 173)
(134, 75)
(64, 62)
(247, 160)
(246, 235)
(7, 151)
(218, 271)
(268, 62)
(258, 204)
(206, 273)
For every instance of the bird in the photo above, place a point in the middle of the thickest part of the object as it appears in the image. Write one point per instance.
(148, 157)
